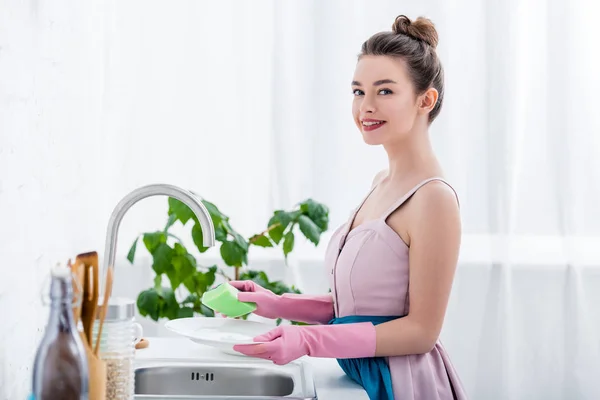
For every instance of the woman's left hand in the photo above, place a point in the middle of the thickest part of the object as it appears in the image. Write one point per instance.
(290, 342)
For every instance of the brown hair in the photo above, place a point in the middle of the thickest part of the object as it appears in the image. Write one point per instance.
(414, 42)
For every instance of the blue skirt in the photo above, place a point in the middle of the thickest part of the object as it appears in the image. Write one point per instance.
(372, 373)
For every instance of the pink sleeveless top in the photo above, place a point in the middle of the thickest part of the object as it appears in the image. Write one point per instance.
(368, 268)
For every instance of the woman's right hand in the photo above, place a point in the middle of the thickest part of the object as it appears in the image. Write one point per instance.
(267, 302)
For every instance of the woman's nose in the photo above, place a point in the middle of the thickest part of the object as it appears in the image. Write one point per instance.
(367, 105)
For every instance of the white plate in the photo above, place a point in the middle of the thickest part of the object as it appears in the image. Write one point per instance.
(221, 333)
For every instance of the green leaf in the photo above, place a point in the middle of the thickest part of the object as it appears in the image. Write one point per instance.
(317, 212)
(261, 241)
(153, 240)
(294, 215)
(288, 243)
(214, 210)
(210, 276)
(200, 281)
(284, 217)
(276, 234)
(232, 254)
(179, 250)
(184, 266)
(215, 214)
(191, 283)
(185, 312)
(162, 257)
(169, 306)
(281, 219)
(148, 304)
(158, 281)
(258, 277)
(220, 233)
(182, 212)
(131, 254)
(227, 226)
(198, 237)
(261, 278)
(280, 288)
(207, 312)
(309, 229)
(192, 298)
(172, 219)
(239, 239)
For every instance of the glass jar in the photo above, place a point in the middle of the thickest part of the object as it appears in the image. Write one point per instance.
(117, 347)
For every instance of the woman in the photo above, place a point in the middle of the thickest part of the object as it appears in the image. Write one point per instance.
(393, 263)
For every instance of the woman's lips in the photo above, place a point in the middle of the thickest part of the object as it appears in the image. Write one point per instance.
(372, 124)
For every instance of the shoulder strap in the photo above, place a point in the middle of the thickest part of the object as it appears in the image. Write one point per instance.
(412, 191)
(357, 209)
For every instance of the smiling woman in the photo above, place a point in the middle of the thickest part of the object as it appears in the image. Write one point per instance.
(390, 84)
(392, 264)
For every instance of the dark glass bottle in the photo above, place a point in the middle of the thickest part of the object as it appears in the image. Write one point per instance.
(60, 370)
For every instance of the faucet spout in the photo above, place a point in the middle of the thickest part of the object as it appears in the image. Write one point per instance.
(186, 197)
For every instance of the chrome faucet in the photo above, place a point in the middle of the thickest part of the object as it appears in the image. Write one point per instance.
(188, 198)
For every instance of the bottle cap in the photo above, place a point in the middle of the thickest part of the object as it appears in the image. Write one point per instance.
(60, 271)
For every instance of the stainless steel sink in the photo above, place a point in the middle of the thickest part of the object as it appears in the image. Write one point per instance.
(176, 379)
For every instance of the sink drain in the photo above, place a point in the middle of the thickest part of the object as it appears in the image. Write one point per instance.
(197, 376)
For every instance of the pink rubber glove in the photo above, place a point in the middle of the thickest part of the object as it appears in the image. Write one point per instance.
(291, 306)
(290, 342)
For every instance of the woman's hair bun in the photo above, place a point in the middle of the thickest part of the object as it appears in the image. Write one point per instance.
(420, 29)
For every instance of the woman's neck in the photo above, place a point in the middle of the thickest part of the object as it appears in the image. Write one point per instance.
(412, 158)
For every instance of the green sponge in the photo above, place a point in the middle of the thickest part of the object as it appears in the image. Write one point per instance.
(223, 299)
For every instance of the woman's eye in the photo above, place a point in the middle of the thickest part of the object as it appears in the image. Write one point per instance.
(357, 92)
(385, 91)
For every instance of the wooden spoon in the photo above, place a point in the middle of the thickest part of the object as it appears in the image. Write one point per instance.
(78, 271)
(90, 293)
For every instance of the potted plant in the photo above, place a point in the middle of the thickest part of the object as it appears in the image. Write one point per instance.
(188, 279)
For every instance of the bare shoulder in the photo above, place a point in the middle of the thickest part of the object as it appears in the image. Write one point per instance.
(433, 208)
(435, 212)
(379, 176)
(435, 197)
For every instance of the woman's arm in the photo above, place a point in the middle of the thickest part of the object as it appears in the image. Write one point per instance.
(434, 229)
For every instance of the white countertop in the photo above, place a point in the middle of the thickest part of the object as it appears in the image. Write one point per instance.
(330, 380)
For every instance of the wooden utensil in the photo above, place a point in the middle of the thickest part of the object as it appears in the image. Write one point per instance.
(90, 293)
(142, 344)
(97, 373)
(78, 271)
(107, 293)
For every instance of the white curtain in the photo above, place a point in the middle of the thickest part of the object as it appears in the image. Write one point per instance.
(258, 96)
(248, 104)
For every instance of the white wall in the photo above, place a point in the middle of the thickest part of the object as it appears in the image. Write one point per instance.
(78, 132)
(51, 198)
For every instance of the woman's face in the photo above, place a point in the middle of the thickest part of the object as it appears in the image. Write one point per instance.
(385, 106)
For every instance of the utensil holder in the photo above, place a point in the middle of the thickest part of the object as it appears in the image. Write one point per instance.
(97, 372)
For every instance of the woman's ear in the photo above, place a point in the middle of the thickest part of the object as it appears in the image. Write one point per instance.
(428, 100)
